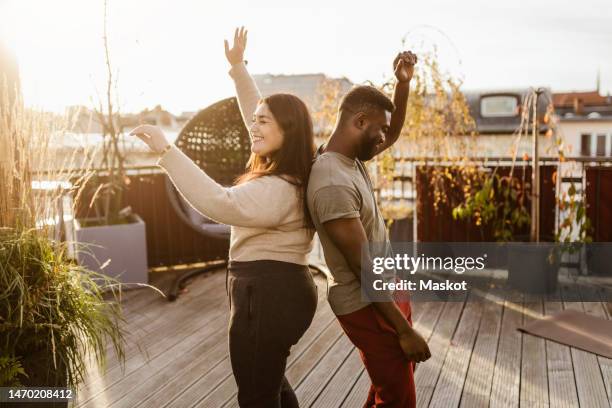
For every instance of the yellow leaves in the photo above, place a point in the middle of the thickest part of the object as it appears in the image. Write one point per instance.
(561, 156)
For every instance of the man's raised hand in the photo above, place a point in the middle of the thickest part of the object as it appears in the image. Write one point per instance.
(403, 66)
(235, 55)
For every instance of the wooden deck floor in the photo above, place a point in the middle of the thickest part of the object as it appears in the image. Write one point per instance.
(478, 357)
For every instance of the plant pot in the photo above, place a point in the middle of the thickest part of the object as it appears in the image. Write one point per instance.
(598, 259)
(42, 373)
(124, 245)
(401, 230)
(533, 268)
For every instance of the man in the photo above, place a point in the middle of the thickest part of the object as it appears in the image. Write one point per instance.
(346, 216)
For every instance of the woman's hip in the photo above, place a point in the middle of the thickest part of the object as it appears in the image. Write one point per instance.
(271, 295)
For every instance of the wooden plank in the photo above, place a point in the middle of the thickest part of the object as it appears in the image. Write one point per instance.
(197, 361)
(306, 362)
(308, 389)
(505, 388)
(150, 299)
(160, 318)
(162, 352)
(160, 315)
(479, 378)
(214, 378)
(427, 315)
(453, 373)
(450, 384)
(359, 393)
(597, 308)
(186, 382)
(338, 387)
(153, 344)
(97, 382)
(561, 382)
(135, 331)
(218, 397)
(589, 380)
(534, 372)
(175, 319)
(427, 374)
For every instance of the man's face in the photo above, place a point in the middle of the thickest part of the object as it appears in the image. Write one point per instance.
(373, 135)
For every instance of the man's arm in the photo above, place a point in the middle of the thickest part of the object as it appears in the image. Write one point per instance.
(403, 67)
(349, 236)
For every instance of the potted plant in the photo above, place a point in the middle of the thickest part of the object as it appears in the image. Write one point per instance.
(53, 315)
(113, 240)
(533, 261)
(399, 220)
(575, 231)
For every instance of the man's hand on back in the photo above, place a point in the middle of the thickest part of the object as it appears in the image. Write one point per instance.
(415, 348)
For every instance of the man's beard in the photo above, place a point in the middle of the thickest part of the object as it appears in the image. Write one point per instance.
(368, 148)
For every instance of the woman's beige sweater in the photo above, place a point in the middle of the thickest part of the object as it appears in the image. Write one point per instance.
(265, 214)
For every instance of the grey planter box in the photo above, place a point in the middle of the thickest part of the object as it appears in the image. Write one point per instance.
(124, 244)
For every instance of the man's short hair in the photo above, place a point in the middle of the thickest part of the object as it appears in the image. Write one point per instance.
(367, 99)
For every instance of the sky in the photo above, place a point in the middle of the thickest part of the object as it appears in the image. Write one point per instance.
(170, 52)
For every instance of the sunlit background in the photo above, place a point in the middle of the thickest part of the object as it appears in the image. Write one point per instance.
(171, 52)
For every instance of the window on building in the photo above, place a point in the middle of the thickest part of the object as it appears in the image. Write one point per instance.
(498, 106)
(585, 144)
(601, 145)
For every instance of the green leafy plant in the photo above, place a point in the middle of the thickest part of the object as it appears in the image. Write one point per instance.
(51, 306)
(10, 371)
(496, 201)
(573, 205)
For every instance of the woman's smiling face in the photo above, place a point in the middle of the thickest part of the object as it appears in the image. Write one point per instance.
(266, 134)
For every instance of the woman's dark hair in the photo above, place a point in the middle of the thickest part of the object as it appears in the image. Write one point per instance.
(294, 159)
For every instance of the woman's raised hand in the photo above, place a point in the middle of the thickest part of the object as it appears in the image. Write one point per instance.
(153, 136)
(235, 55)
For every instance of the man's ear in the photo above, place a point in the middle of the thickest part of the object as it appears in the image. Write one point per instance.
(360, 120)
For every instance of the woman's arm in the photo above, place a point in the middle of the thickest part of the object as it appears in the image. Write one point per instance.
(256, 203)
(246, 89)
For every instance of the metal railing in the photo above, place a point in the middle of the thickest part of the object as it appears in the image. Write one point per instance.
(171, 242)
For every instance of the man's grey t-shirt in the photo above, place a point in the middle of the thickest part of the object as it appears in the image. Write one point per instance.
(340, 187)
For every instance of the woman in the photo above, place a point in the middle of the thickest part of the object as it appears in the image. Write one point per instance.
(272, 295)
